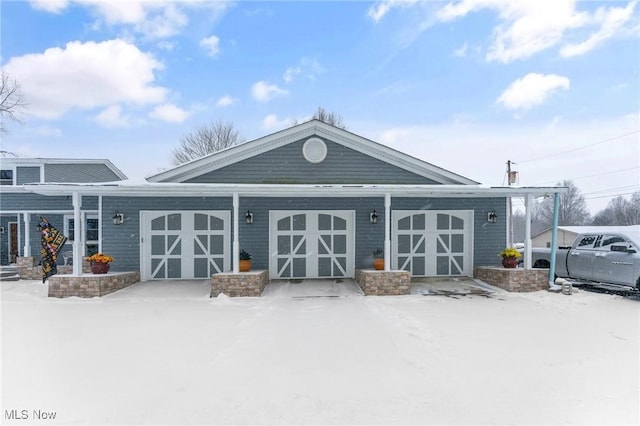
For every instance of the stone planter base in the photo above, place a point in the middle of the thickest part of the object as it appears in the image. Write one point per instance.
(28, 268)
(90, 285)
(243, 284)
(515, 280)
(383, 283)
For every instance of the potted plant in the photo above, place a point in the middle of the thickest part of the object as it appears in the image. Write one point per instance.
(245, 261)
(100, 263)
(378, 259)
(510, 257)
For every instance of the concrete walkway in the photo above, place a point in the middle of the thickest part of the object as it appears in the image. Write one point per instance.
(188, 289)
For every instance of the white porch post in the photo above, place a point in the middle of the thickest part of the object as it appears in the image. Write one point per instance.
(387, 232)
(27, 234)
(78, 238)
(527, 231)
(100, 224)
(236, 229)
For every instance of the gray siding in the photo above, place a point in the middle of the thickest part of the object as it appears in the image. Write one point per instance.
(123, 241)
(488, 239)
(26, 175)
(78, 173)
(255, 237)
(15, 201)
(286, 165)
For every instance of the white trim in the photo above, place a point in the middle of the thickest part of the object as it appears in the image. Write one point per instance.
(267, 143)
(314, 150)
(41, 162)
(430, 246)
(311, 237)
(146, 216)
(288, 190)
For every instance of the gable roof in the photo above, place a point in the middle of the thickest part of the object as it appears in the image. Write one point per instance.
(237, 153)
(12, 162)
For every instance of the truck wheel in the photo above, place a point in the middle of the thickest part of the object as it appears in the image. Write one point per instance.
(541, 264)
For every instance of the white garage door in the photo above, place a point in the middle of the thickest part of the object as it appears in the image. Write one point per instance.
(433, 243)
(186, 244)
(306, 244)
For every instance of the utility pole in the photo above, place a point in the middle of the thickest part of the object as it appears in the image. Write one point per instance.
(511, 179)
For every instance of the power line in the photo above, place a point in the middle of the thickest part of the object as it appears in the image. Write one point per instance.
(589, 176)
(612, 189)
(608, 196)
(579, 148)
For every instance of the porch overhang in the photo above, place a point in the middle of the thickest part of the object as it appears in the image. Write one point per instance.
(158, 189)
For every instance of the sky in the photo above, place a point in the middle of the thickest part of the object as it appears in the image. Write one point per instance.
(552, 86)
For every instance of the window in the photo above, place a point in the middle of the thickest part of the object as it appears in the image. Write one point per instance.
(6, 177)
(607, 240)
(91, 228)
(587, 241)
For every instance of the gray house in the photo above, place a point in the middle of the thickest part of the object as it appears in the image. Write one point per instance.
(311, 201)
(20, 208)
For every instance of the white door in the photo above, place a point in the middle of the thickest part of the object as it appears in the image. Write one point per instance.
(433, 243)
(311, 244)
(184, 244)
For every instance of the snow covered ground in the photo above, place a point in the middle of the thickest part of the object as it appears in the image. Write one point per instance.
(165, 353)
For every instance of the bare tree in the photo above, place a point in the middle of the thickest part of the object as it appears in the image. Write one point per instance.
(327, 117)
(11, 101)
(572, 208)
(205, 140)
(620, 211)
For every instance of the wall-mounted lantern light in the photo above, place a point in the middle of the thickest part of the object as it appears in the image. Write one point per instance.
(373, 216)
(118, 218)
(248, 217)
(492, 217)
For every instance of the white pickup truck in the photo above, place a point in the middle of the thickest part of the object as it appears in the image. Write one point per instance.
(606, 257)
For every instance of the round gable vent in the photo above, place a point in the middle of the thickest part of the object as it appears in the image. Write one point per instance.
(314, 150)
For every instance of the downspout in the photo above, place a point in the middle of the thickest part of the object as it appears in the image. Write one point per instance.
(78, 236)
(554, 238)
(236, 229)
(387, 232)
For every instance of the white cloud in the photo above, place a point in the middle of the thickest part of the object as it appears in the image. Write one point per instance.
(156, 19)
(86, 75)
(225, 101)
(112, 117)
(46, 131)
(290, 73)
(211, 45)
(271, 122)
(52, 6)
(530, 26)
(264, 92)
(461, 51)
(531, 90)
(612, 20)
(169, 113)
(381, 8)
(526, 27)
(307, 67)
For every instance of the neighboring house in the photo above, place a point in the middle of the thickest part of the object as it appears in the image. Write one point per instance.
(567, 234)
(311, 201)
(18, 206)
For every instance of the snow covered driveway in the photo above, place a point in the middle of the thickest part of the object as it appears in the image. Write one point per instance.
(175, 356)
